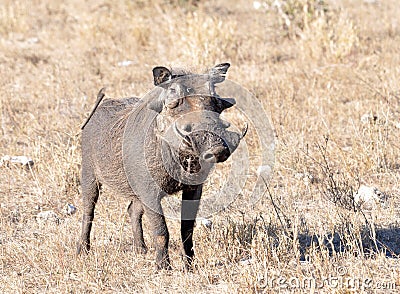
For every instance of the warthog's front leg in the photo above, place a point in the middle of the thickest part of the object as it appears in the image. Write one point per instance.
(160, 234)
(190, 204)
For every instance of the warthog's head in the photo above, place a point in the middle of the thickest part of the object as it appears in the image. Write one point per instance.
(189, 118)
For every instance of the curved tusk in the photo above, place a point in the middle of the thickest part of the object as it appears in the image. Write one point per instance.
(244, 130)
(181, 135)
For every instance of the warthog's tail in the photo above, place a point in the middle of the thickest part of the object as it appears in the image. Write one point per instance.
(100, 97)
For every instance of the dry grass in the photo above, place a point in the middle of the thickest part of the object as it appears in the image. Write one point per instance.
(316, 77)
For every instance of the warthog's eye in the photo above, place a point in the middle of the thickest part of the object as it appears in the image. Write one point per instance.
(189, 90)
(173, 103)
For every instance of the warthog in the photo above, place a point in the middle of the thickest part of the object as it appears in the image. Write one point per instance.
(146, 149)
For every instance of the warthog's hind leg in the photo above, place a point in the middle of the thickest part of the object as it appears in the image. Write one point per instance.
(90, 195)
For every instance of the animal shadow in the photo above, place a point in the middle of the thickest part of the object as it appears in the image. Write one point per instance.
(380, 240)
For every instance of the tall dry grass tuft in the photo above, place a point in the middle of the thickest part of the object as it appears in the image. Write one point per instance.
(333, 37)
(13, 18)
(202, 38)
(323, 31)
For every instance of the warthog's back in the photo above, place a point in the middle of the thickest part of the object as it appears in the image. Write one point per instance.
(102, 141)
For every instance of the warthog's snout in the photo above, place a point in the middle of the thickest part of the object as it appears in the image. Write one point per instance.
(222, 152)
(211, 146)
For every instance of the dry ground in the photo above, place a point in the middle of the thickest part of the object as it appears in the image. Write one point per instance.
(329, 82)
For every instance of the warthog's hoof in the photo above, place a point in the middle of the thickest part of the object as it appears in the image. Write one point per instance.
(188, 266)
(164, 264)
(82, 248)
(140, 249)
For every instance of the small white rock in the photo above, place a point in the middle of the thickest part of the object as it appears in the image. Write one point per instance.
(368, 118)
(257, 5)
(369, 195)
(304, 263)
(70, 209)
(25, 161)
(46, 216)
(347, 148)
(125, 63)
(306, 177)
(204, 222)
(33, 40)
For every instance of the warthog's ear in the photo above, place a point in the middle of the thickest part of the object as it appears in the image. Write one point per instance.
(218, 72)
(161, 74)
